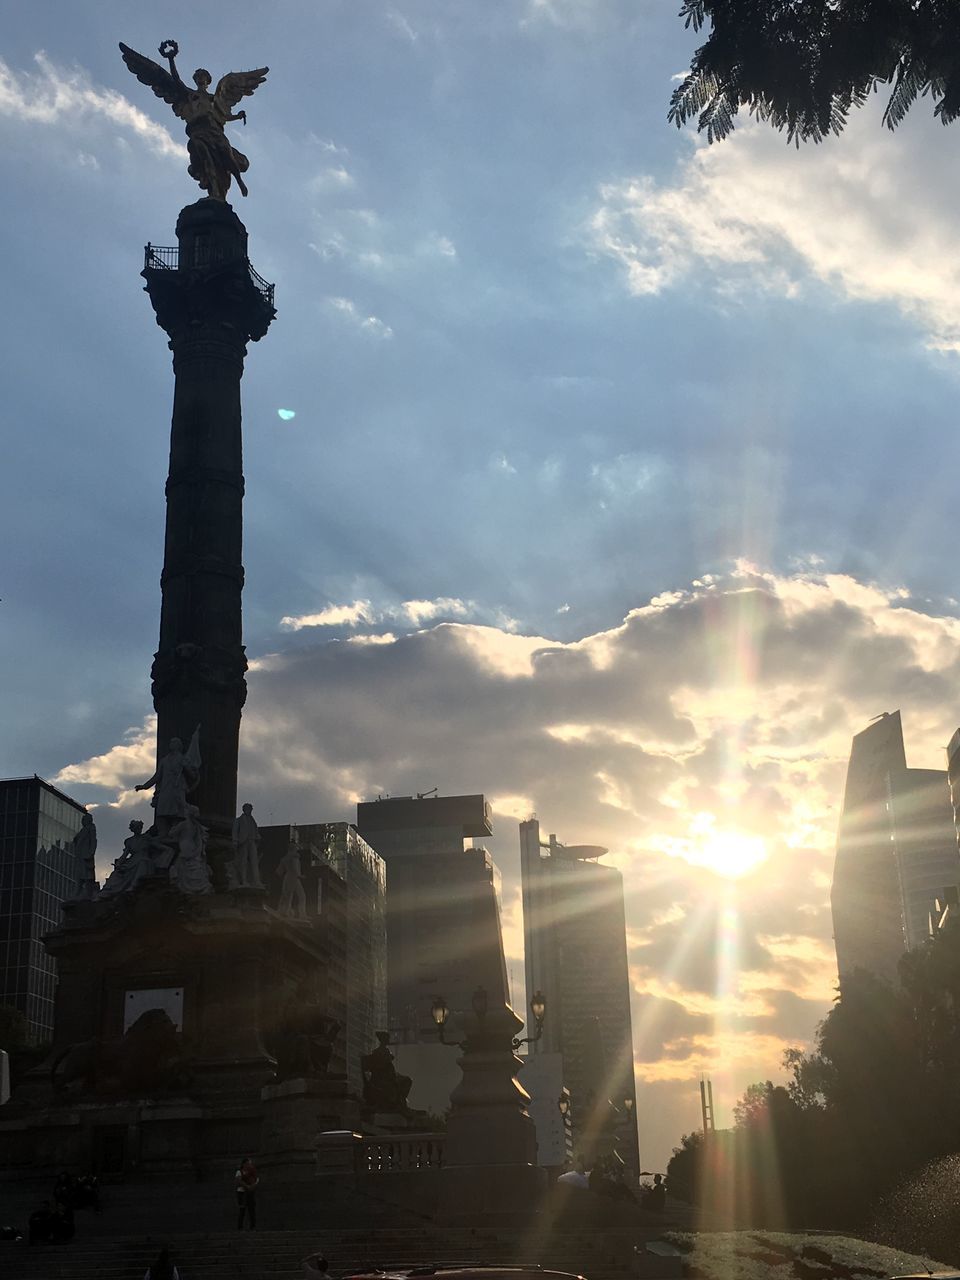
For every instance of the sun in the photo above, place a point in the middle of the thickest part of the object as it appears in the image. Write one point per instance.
(731, 854)
(726, 851)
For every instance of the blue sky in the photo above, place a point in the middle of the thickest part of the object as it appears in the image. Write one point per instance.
(550, 360)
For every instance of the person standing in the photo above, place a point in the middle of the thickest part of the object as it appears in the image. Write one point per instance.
(247, 1181)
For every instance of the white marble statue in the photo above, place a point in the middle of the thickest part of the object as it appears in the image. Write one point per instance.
(293, 900)
(136, 862)
(84, 846)
(176, 775)
(246, 858)
(189, 870)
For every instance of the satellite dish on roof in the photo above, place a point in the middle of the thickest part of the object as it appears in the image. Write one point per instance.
(580, 851)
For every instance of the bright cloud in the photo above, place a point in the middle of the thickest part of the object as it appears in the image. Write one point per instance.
(686, 1060)
(412, 612)
(335, 615)
(68, 98)
(335, 177)
(703, 741)
(419, 611)
(854, 213)
(131, 761)
(401, 24)
(371, 325)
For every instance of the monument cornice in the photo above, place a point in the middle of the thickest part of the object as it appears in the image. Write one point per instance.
(209, 313)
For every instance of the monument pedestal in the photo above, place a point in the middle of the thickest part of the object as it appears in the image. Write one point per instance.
(490, 1173)
(296, 1112)
(219, 964)
(222, 970)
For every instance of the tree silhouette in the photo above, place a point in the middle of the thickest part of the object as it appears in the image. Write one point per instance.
(801, 65)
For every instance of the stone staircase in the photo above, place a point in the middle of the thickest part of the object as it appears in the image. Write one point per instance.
(197, 1222)
(275, 1255)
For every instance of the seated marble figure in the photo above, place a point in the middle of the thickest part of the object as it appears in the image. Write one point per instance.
(143, 856)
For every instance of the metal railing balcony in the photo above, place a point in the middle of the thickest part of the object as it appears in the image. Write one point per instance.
(158, 257)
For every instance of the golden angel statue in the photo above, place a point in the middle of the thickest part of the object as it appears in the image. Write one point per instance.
(213, 161)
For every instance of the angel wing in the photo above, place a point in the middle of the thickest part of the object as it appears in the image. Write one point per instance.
(163, 84)
(236, 85)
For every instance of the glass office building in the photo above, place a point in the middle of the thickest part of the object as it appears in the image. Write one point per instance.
(896, 853)
(37, 872)
(575, 946)
(360, 959)
(364, 872)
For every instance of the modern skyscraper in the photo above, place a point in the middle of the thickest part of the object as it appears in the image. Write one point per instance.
(896, 852)
(443, 926)
(953, 782)
(926, 843)
(576, 953)
(337, 847)
(37, 872)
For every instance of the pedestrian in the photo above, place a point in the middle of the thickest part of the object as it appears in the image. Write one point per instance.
(62, 1227)
(656, 1197)
(247, 1182)
(162, 1269)
(40, 1225)
(88, 1192)
(65, 1190)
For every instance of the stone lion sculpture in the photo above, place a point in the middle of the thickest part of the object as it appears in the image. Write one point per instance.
(147, 1059)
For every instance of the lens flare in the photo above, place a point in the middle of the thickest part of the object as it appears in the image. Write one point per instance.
(726, 851)
(731, 853)
(286, 414)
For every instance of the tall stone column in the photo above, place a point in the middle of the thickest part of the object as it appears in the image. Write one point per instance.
(210, 304)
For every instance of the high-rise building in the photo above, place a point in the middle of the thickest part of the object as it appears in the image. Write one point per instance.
(443, 926)
(926, 843)
(542, 1077)
(949, 892)
(896, 852)
(337, 847)
(37, 873)
(575, 946)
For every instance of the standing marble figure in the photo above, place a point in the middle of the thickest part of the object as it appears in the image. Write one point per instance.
(293, 900)
(189, 871)
(84, 847)
(246, 859)
(176, 776)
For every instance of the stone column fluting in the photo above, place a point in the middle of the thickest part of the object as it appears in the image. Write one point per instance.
(211, 304)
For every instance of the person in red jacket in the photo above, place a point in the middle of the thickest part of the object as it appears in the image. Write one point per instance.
(247, 1181)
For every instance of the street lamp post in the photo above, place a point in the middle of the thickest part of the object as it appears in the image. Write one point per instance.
(491, 1146)
(479, 1001)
